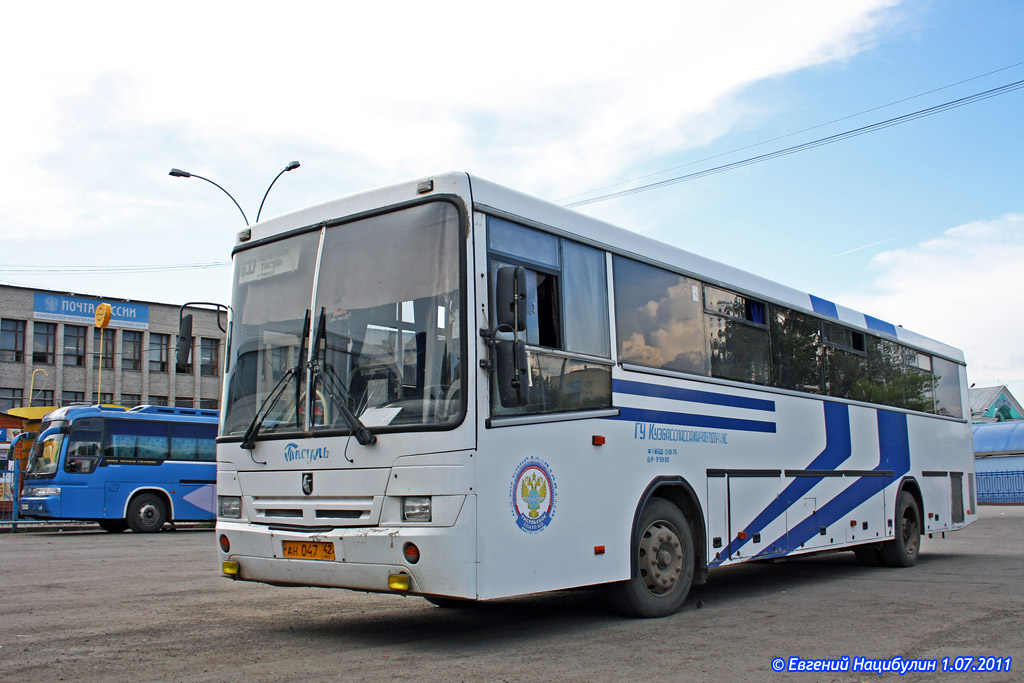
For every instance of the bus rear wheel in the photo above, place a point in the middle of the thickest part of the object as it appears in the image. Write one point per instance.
(146, 513)
(664, 562)
(902, 551)
(114, 526)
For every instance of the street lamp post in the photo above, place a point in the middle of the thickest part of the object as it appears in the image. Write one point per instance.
(292, 165)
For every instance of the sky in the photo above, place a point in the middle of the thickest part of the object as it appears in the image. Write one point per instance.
(920, 224)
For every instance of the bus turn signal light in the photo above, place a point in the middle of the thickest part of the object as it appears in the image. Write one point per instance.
(225, 544)
(597, 440)
(742, 535)
(411, 552)
(398, 582)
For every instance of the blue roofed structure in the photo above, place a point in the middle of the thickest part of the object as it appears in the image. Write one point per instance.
(999, 461)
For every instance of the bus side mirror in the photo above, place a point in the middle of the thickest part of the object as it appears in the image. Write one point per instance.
(510, 372)
(510, 298)
(184, 348)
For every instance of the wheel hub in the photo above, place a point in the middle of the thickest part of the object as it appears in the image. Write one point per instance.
(661, 558)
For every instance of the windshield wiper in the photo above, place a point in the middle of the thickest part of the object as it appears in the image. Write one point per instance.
(249, 439)
(327, 380)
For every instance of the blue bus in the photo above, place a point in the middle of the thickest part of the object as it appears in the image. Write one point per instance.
(124, 469)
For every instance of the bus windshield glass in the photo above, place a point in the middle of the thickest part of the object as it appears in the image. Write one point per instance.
(383, 336)
(45, 455)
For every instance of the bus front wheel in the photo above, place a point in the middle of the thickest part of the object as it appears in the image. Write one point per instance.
(903, 549)
(664, 564)
(146, 513)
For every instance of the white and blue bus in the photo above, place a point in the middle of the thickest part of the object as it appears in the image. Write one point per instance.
(137, 468)
(450, 389)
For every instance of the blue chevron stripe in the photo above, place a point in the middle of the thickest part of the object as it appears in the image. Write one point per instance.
(837, 450)
(894, 455)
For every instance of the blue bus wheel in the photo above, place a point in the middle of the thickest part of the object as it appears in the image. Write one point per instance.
(146, 513)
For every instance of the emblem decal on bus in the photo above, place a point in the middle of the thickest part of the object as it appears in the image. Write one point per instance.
(533, 495)
(307, 483)
(292, 452)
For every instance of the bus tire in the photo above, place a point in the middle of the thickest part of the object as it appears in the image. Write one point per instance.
(146, 513)
(114, 526)
(902, 551)
(665, 564)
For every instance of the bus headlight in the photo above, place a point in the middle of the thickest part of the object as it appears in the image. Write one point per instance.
(43, 491)
(229, 507)
(416, 509)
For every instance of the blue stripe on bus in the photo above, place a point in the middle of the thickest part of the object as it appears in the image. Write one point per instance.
(837, 449)
(824, 307)
(623, 386)
(880, 326)
(693, 420)
(894, 455)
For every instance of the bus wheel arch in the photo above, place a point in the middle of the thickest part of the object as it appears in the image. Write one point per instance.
(666, 552)
(148, 511)
(908, 523)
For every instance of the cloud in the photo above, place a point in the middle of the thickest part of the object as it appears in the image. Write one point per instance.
(547, 97)
(960, 288)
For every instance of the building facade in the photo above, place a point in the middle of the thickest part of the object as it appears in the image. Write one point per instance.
(52, 353)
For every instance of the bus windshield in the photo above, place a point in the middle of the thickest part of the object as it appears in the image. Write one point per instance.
(45, 455)
(381, 327)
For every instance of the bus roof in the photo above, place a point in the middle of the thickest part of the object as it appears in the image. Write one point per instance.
(168, 413)
(501, 201)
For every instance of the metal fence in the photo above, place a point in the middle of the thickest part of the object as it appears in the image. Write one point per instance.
(1001, 487)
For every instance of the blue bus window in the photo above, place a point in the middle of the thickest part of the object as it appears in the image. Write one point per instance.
(136, 440)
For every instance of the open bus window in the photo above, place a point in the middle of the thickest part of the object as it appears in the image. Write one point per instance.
(566, 311)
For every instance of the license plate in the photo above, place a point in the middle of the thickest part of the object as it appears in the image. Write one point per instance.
(308, 550)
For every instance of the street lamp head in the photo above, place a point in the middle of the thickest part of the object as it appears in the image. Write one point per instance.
(178, 173)
(292, 165)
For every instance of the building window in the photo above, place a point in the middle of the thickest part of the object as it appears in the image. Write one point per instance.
(159, 353)
(69, 397)
(107, 350)
(208, 403)
(44, 344)
(209, 351)
(74, 345)
(42, 397)
(105, 397)
(131, 400)
(12, 341)
(131, 350)
(157, 400)
(183, 403)
(9, 398)
(186, 368)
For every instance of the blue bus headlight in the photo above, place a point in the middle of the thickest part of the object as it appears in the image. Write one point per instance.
(229, 507)
(43, 491)
(416, 509)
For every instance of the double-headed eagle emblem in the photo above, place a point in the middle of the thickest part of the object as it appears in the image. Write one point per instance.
(534, 491)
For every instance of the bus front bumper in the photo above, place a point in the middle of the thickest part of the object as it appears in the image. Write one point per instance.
(365, 558)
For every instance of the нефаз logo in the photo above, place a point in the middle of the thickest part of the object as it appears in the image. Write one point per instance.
(292, 452)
